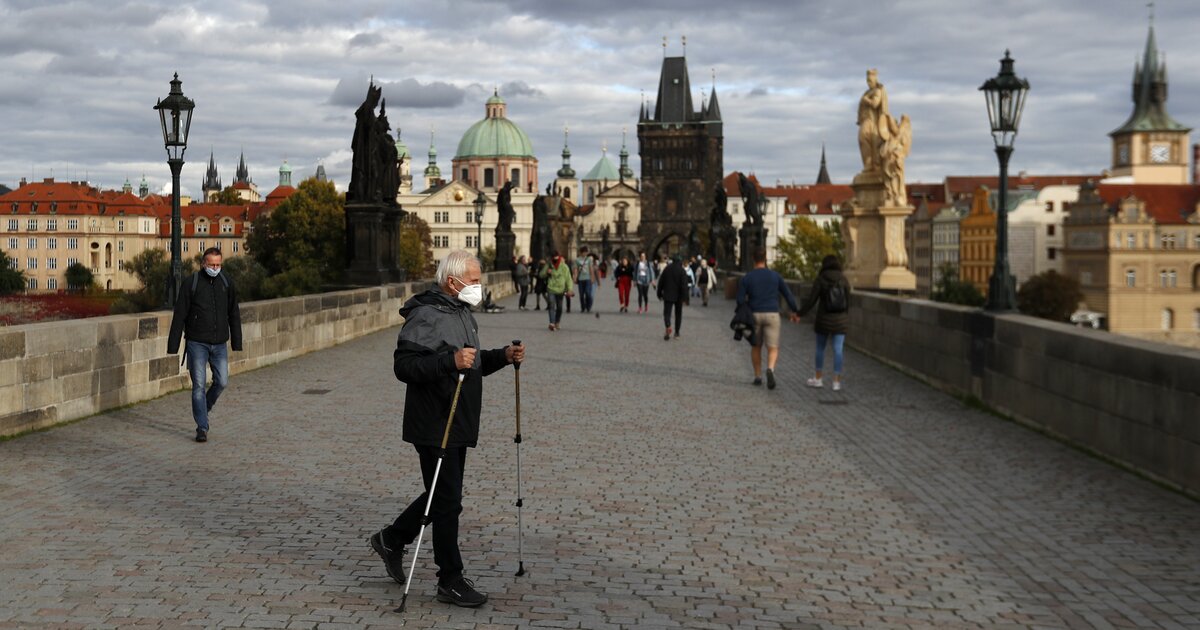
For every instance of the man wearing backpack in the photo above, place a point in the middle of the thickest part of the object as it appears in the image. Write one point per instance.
(207, 312)
(832, 292)
(761, 288)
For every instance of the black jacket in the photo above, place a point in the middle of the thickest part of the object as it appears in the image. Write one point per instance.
(828, 323)
(673, 283)
(436, 326)
(210, 315)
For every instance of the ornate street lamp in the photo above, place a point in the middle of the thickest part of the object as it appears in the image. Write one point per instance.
(175, 115)
(1005, 95)
(480, 204)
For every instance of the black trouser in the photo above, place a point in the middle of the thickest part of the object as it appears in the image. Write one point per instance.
(524, 294)
(443, 513)
(678, 306)
(643, 295)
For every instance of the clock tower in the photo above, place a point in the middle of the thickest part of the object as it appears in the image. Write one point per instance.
(1151, 147)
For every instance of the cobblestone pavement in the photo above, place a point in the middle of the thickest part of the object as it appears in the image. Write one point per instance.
(662, 491)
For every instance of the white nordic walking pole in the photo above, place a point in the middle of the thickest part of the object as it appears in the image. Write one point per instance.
(520, 500)
(432, 486)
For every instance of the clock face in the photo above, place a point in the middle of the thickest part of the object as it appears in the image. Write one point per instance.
(1160, 153)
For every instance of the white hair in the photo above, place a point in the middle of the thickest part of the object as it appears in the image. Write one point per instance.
(455, 264)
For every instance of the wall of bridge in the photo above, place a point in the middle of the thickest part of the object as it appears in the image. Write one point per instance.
(55, 372)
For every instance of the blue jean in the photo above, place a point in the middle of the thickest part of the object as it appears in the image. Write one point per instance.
(199, 356)
(585, 296)
(839, 339)
(554, 307)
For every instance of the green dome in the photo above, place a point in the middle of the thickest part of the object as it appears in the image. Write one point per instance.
(494, 137)
(495, 99)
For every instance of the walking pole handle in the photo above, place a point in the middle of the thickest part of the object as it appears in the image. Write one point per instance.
(516, 364)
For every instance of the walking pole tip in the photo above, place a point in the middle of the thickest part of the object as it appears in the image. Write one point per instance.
(521, 569)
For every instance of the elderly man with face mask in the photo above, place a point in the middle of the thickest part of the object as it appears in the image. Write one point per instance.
(438, 340)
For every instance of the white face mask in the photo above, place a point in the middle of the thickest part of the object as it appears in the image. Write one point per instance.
(472, 294)
(212, 272)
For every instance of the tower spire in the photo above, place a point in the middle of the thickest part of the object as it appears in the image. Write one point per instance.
(823, 175)
(566, 172)
(626, 172)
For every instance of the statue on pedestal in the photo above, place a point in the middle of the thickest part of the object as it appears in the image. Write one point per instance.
(540, 244)
(372, 214)
(883, 142)
(504, 206)
(750, 200)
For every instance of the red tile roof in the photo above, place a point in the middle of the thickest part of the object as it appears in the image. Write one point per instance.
(1169, 204)
(75, 198)
(826, 198)
(964, 186)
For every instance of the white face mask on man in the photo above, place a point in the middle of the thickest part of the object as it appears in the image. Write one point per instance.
(472, 294)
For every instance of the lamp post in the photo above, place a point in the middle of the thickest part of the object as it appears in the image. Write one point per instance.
(175, 116)
(480, 204)
(1005, 94)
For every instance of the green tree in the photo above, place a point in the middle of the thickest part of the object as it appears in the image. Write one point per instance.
(489, 258)
(79, 278)
(1050, 295)
(416, 248)
(11, 280)
(800, 255)
(228, 197)
(302, 237)
(247, 276)
(152, 267)
(951, 290)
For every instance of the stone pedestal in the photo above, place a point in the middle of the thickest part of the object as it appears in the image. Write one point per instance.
(874, 235)
(370, 252)
(751, 239)
(392, 219)
(505, 245)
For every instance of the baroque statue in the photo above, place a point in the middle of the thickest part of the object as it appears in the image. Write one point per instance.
(883, 142)
(750, 199)
(374, 177)
(504, 206)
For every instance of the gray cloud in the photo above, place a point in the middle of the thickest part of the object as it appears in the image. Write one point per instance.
(365, 40)
(404, 93)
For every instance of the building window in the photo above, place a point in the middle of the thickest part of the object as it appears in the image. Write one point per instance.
(227, 227)
(516, 177)
(489, 178)
(441, 217)
(1050, 230)
(1166, 240)
(33, 283)
(52, 263)
(72, 224)
(120, 246)
(14, 243)
(52, 225)
(31, 263)
(15, 224)
(1172, 279)
(121, 265)
(1168, 319)
(1049, 206)
(235, 247)
(33, 243)
(201, 248)
(51, 243)
(1131, 241)
(1050, 253)
(31, 225)
(470, 216)
(463, 175)
(441, 240)
(1085, 278)
(1130, 277)
(52, 284)
(72, 243)
(185, 246)
(591, 194)
(72, 261)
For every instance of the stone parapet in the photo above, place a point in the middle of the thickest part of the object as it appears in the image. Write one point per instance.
(55, 372)
(1128, 400)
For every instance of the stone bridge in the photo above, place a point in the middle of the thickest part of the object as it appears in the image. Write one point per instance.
(662, 490)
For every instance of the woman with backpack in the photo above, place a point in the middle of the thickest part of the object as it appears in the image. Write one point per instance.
(831, 294)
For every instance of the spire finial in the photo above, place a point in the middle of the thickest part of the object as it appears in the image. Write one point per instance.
(683, 38)
(664, 46)
(604, 147)
(1150, 5)
(714, 79)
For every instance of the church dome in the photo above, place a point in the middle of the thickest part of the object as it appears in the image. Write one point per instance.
(494, 136)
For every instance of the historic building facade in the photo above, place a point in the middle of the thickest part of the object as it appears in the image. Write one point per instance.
(681, 151)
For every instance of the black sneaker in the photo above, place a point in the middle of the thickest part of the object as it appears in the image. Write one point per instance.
(770, 379)
(757, 381)
(461, 592)
(393, 559)
(201, 435)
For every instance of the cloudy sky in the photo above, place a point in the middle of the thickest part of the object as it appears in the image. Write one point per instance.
(280, 80)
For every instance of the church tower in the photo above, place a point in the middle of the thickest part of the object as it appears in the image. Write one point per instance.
(682, 153)
(566, 184)
(1151, 147)
(212, 183)
(433, 174)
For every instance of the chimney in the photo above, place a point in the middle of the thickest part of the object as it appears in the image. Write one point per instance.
(22, 183)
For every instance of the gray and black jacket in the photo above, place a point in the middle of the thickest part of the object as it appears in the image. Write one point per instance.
(206, 310)
(437, 325)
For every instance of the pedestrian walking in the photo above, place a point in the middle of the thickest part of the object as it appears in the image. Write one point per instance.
(705, 280)
(539, 285)
(558, 286)
(208, 315)
(437, 342)
(521, 277)
(585, 274)
(673, 291)
(623, 273)
(694, 268)
(831, 294)
(643, 277)
(761, 288)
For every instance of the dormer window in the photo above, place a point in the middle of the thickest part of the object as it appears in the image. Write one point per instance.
(15, 207)
(812, 208)
(53, 207)
(33, 207)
